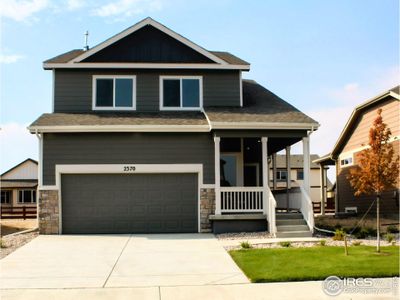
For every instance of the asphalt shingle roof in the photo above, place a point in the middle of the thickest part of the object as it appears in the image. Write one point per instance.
(106, 119)
(259, 105)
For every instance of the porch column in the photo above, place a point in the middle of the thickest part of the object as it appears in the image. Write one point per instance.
(217, 175)
(265, 173)
(288, 178)
(323, 192)
(306, 164)
(274, 187)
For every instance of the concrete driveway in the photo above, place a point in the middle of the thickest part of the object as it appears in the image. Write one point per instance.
(93, 261)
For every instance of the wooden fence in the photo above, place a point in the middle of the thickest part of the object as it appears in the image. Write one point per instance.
(23, 212)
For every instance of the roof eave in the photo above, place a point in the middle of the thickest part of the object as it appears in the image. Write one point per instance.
(70, 65)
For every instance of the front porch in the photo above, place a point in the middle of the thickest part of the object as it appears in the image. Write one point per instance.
(247, 197)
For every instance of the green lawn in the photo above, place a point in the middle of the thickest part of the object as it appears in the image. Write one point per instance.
(316, 263)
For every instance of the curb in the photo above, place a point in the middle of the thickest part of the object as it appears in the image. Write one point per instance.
(21, 232)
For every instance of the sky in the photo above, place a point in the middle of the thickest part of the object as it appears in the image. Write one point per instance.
(324, 57)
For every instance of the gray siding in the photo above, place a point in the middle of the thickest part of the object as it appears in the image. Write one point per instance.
(127, 148)
(73, 88)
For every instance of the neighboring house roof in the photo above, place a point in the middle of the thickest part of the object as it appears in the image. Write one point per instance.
(18, 165)
(296, 161)
(394, 93)
(261, 110)
(6, 184)
(74, 58)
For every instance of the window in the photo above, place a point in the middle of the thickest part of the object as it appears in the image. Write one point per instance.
(281, 175)
(27, 196)
(114, 92)
(300, 175)
(6, 197)
(348, 161)
(183, 93)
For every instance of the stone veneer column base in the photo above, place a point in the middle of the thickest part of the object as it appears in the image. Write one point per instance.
(207, 208)
(49, 212)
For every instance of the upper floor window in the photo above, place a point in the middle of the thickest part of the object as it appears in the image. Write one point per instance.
(114, 92)
(181, 92)
(347, 161)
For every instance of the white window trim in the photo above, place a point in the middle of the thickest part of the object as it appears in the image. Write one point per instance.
(10, 193)
(162, 107)
(113, 77)
(348, 156)
(279, 171)
(23, 200)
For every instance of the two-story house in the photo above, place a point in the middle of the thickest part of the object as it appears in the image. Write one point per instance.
(353, 139)
(151, 133)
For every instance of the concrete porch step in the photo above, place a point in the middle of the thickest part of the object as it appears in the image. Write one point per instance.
(285, 228)
(287, 216)
(291, 222)
(292, 234)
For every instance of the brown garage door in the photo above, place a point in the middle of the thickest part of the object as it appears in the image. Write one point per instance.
(134, 203)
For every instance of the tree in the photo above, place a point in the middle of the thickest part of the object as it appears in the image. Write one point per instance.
(377, 167)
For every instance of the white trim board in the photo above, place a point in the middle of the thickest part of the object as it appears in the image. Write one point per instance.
(126, 169)
(49, 66)
(172, 128)
(121, 128)
(155, 24)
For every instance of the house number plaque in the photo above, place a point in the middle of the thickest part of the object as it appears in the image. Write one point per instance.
(129, 168)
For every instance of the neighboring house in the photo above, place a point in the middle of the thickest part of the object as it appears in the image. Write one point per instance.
(353, 139)
(151, 133)
(296, 176)
(18, 188)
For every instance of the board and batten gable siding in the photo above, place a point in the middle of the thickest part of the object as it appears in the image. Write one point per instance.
(127, 148)
(360, 134)
(73, 88)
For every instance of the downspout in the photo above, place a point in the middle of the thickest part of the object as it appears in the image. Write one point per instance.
(40, 138)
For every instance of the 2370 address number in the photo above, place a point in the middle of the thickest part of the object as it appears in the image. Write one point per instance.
(129, 168)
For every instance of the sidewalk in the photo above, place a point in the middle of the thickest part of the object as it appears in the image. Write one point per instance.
(284, 290)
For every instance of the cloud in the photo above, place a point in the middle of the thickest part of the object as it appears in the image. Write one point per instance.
(16, 145)
(9, 59)
(22, 10)
(75, 4)
(126, 8)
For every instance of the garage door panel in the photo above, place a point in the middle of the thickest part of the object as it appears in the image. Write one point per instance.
(135, 203)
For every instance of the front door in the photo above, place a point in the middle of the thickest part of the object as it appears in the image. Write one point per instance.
(251, 175)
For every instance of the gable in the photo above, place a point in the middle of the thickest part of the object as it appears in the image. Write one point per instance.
(24, 171)
(148, 45)
(359, 135)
